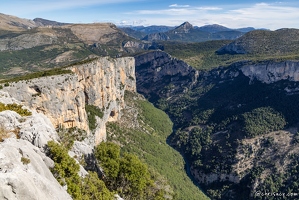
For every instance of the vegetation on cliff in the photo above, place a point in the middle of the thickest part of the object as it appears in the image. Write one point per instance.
(15, 107)
(124, 174)
(66, 172)
(213, 120)
(143, 131)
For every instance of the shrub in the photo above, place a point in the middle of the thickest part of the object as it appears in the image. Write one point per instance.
(126, 174)
(93, 111)
(65, 169)
(15, 107)
(66, 172)
(25, 161)
(95, 188)
(69, 135)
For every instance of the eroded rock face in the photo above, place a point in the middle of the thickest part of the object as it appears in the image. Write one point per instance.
(62, 98)
(270, 72)
(37, 128)
(31, 181)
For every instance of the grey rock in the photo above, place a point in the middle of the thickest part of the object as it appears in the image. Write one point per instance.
(62, 98)
(270, 72)
(37, 128)
(32, 181)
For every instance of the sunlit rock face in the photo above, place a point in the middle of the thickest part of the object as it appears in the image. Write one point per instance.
(62, 98)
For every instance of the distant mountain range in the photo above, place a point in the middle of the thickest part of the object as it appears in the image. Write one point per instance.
(185, 32)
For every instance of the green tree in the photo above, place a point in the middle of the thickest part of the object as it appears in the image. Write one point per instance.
(65, 169)
(135, 177)
(94, 188)
(108, 154)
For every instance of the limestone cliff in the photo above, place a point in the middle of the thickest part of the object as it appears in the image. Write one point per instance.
(62, 98)
(270, 72)
(24, 167)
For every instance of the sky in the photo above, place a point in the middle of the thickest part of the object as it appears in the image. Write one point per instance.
(230, 13)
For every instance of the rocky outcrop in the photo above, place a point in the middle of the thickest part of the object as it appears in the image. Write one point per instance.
(62, 98)
(25, 175)
(137, 45)
(37, 128)
(184, 28)
(24, 168)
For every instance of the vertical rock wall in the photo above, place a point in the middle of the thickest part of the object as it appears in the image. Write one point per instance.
(62, 98)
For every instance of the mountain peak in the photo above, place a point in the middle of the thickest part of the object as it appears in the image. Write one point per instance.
(185, 27)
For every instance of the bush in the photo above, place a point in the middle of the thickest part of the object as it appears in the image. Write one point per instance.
(66, 172)
(25, 161)
(95, 188)
(126, 174)
(65, 169)
(69, 135)
(93, 111)
(15, 107)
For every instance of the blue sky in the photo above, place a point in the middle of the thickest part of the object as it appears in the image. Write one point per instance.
(231, 13)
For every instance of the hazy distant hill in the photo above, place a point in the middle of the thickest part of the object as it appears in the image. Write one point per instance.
(45, 22)
(186, 32)
(279, 42)
(32, 45)
(12, 23)
(152, 29)
(213, 28)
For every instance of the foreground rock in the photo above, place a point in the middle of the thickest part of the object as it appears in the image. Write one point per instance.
(30, 179)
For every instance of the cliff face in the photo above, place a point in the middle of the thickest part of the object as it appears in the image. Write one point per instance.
(271, 72)
(62, 98)
(157, 69)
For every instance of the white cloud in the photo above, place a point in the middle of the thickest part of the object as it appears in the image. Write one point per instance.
(183, 11)
(179, 6)
(260, 15)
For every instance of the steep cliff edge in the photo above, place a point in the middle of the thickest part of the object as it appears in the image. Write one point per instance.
(62, 98)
